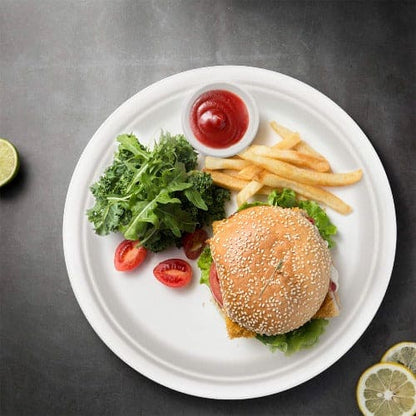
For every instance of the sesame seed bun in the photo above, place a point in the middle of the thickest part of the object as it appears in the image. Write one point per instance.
(273, 267)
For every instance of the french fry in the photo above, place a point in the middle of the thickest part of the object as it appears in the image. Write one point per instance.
(300, 146)
(250, 172)
(248, 191)
(307, 191)
(227, 181)
(266, 190)
(215, 163)
(292, 156)
(232, 172)
(302, 175)
(305, 148)
(288, 142)
(282, 131)
(290, 138)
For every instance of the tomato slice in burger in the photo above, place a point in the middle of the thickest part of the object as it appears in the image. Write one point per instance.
(129, 255)
(215, 284)
(194, 243)
(173, 272)
(310, 219)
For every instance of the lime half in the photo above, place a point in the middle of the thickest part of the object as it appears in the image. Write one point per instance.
(9, 162)
(387, 389)
(403, 353)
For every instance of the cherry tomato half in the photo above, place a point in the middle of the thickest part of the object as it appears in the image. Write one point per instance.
(173, 272)
(215, 284)
(194, 243)
(129, 255)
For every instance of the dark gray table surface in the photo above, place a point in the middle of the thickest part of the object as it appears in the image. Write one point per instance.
(66, 65)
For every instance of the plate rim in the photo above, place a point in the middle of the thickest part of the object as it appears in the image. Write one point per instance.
(91, 311)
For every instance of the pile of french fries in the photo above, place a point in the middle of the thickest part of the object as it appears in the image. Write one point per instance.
(290, 163)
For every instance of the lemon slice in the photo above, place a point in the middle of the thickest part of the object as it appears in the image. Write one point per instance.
(403, 353)
(9, 162)
(387, 389)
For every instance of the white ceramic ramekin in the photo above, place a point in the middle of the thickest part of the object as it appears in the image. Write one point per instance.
(253, 119)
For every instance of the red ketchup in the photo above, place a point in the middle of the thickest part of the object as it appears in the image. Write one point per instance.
(219, 119)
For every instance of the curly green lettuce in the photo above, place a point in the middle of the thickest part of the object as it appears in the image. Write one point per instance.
(304, 337)
(204, 264)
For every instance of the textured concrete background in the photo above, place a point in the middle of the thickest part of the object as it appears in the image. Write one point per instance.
(66, 65)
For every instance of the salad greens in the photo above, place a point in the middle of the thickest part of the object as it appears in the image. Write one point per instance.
(308, 334)
(204, 264)
(155, 195)
(303, 337)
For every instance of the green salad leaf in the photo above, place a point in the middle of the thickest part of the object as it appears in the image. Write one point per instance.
(155, 195)
(250, 204)
(304, 337)
(285, 199)
(204, 264)
(321, 220)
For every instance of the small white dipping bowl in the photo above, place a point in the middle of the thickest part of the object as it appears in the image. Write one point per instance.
(253, 120)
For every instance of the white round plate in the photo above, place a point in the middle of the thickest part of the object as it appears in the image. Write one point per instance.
(177, 337)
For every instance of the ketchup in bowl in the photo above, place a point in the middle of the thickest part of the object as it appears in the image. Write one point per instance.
(219, 118)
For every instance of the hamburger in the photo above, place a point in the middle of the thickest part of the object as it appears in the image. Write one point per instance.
(270, 271)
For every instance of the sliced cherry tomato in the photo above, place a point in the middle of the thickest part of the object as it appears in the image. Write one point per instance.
(332, 286)
(129, 255)
(194, 243)
(173, 272)
(215, 284)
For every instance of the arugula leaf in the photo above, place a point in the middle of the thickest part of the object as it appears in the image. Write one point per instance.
(129, 143)
(142, 214)
(195, 197)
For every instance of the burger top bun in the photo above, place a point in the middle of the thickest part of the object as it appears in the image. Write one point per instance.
(273, 267)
